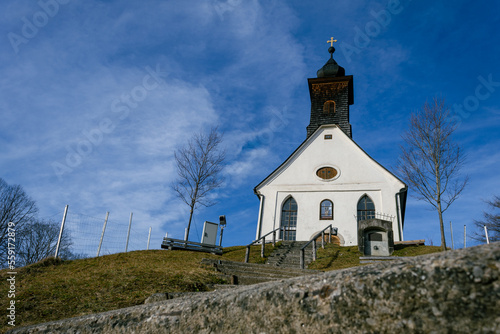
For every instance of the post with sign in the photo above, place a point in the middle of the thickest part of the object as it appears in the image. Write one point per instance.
(222, 223)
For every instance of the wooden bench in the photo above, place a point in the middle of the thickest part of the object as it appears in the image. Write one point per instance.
(175, 244)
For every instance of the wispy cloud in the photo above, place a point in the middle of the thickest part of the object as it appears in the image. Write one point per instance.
(83, 78)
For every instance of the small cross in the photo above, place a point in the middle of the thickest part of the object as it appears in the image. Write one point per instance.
(331, 41)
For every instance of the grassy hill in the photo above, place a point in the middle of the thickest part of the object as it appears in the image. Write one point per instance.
(54, 289)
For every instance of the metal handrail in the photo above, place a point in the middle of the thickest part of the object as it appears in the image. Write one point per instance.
(313, 240)
(262, 248)
(378, 215)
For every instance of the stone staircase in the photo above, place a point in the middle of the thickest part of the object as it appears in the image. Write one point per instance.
(240, 273)
(287, 255)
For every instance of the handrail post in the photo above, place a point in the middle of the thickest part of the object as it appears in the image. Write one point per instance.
(262, 248)
(331, 231)
(274, 238)
(247, 254)
(323, 239)
(302, 258)
(314, 250)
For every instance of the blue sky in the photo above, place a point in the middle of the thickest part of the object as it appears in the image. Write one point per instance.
(97, 95)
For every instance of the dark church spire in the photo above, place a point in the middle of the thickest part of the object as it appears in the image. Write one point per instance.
(331, 68)
(331, 94)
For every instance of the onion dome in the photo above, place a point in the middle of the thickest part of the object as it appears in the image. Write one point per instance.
(331, 68)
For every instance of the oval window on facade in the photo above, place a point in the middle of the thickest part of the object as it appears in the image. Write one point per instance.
(327, 173)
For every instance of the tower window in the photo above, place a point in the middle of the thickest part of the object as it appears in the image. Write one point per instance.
(326, 210)
(329, 107)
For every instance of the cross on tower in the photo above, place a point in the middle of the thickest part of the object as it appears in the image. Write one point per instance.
(331, 41)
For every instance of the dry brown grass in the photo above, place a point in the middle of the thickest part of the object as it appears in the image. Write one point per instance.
(54, 289)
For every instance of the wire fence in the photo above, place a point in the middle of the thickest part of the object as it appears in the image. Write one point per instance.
(85, 233)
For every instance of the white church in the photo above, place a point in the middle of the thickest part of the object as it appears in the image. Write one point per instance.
(329, 179)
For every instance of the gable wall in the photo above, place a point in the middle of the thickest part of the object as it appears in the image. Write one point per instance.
(359, 175)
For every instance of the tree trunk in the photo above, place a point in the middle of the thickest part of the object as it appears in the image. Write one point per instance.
(441, 225)
(193, 203)
(189, 224)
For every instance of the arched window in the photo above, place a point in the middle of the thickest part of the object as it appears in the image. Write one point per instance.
(366, 208)
(326, 210)
(288, 220)
(329, 107)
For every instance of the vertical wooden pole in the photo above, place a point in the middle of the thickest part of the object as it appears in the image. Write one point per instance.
(323, 239)
(451, 232)
(247, 254)
(102, 234)
(465, 237)
(486, 234)
(149, 237)
(128, 233)
(62, 230)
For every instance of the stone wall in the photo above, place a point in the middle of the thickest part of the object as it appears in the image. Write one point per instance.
(452, 292)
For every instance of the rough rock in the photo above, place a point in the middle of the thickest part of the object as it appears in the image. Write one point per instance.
(451, 292)
(159, 297)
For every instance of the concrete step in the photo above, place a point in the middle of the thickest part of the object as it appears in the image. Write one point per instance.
(234, 266)
(287, 255)
(250, 273)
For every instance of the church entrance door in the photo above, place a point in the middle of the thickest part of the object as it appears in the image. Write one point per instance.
(289, 220)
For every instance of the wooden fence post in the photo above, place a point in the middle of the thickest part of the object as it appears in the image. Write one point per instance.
(247, 254)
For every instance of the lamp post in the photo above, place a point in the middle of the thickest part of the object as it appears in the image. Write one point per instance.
(222, 223)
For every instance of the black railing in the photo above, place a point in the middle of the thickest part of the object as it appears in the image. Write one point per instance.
(263, 246)
(313, 241)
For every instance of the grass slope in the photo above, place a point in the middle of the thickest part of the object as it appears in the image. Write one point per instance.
(334, 257)
(53, 289)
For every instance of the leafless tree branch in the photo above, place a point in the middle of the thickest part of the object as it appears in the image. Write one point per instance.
(430, 160)
(17, 207)
(491, 220)
(199, 164)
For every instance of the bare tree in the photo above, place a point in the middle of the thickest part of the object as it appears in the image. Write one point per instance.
(17, 207)
(39, 242)
(430, 160)
(491, 221)
(199, 164)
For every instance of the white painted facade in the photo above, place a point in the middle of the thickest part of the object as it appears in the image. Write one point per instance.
(358, 174)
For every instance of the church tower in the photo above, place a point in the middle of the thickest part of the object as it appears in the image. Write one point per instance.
(331, 95)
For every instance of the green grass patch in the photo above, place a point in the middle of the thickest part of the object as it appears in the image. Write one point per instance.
(335, 257)
(237, 253)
